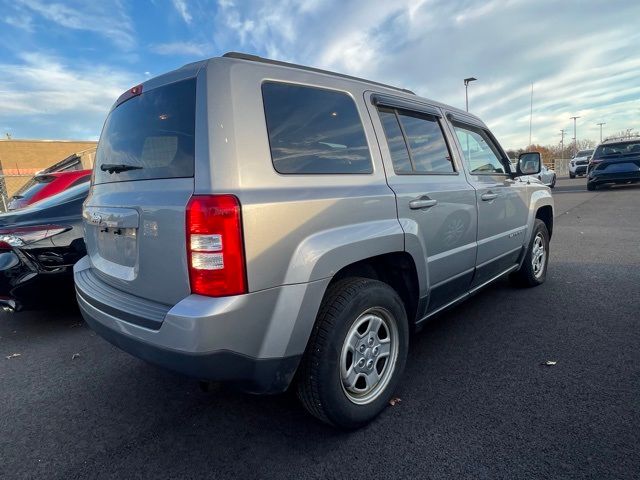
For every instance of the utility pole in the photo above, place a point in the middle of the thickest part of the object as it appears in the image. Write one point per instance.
(531, 114)
(467, 81)
(602, 123)
(562, 143)
(575, 137)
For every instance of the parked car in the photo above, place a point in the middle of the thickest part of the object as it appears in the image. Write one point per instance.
(547, 176)
(81, 160)
(320, 220)
(44, 185)
(615, 160)
(578, 164)
(38, 247)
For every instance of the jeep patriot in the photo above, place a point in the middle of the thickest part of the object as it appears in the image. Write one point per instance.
(272, 226)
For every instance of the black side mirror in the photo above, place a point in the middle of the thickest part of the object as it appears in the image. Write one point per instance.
(529, 163)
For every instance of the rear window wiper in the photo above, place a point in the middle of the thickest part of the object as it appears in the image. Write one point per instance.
(117, 167)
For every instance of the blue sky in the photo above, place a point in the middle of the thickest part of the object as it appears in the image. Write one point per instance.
(63, 63)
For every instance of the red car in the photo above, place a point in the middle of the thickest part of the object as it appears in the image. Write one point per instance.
(44, 185)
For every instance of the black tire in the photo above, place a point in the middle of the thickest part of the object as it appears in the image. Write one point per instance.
(553, 182)
(572, 175)
(591, 186)
(526, 277)
(319, 382)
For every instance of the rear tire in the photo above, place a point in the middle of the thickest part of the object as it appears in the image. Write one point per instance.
(344, 380)
(591, 186)
(533, 271)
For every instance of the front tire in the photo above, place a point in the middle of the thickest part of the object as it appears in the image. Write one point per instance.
(533, 271)
(572, 175)
(356, 353)
(553, 182)
(591, 186)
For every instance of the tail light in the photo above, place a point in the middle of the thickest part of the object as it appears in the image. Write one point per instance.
(20, 236)
(214, 246)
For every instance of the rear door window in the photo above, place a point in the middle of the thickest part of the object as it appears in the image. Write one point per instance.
(416, 142)
(153, 132)
(314, 131)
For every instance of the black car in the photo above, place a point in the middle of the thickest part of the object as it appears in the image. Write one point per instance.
(38, 247)
(614, 161)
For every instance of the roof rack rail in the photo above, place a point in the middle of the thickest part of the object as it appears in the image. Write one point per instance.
(625, 138)
(256, 58)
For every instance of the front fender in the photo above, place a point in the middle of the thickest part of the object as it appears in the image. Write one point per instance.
(540, 197)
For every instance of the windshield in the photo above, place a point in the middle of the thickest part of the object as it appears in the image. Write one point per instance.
(73, 193)
(153, 131)
(584, 153)
(616, 149)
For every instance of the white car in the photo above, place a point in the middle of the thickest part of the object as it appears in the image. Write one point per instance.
(547, 176)
(578, 164)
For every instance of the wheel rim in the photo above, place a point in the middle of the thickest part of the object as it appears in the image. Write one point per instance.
(538, 255)
(369, 355)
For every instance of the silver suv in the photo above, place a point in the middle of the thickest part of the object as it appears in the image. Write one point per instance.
(271, 225)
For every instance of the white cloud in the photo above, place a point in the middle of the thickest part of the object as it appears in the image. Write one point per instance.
(45, 92)
(106, 18)
(23, 22)
(183, 10)
(182, 48)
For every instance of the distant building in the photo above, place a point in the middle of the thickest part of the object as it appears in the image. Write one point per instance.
(21, 159)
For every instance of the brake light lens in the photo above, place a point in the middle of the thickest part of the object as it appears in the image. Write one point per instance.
(215, 247)
(20, 236)
(132, 92)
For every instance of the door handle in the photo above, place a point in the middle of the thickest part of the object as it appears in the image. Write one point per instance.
(419, 203)
(487, 197)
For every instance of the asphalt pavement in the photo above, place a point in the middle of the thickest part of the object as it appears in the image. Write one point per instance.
(477, 399)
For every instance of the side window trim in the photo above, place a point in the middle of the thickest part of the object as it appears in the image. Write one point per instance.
(438, 119)
(472, 126)
(380, 100)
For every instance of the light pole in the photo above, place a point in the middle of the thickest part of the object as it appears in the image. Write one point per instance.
(575, 138)
(467, 81)
(531, 114)
(562, 144)
(601, 123)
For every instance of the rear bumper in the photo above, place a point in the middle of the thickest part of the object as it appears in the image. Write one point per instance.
(254, 375)
(597, 178)
(254, 341)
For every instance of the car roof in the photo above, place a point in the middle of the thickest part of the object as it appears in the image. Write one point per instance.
(403, 92)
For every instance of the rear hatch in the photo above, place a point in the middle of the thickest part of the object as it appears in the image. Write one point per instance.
(134, 217)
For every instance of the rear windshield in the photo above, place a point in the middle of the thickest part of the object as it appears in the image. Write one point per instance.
(617, 149)
(33, 186)
(584, 153)
(154, 132)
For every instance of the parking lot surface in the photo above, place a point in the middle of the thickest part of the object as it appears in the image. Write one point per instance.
(477, 398)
